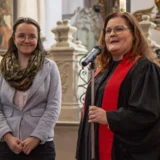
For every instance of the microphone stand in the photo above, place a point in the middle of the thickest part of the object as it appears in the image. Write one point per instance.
(92, 70)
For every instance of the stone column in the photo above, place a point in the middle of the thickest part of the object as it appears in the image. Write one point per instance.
(27, 8)
(65, 53)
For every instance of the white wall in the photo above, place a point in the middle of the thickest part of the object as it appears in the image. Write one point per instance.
(27, 8)
(69, 6)
(53, 14)
(141, 4)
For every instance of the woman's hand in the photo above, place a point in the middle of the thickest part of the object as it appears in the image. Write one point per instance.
(13, 143)
(97, 114)
(29, 144)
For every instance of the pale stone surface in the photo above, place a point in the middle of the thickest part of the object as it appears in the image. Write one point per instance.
(147, 25)
(65, 53)
(89, 24)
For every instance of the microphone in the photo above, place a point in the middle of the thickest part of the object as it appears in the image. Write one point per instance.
(92, 55)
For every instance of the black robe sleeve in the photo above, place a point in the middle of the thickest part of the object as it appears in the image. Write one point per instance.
(137, 119)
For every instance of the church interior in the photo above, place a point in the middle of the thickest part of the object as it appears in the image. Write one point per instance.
(69, 30)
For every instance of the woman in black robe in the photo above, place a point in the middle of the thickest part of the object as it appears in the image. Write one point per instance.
(126, 114)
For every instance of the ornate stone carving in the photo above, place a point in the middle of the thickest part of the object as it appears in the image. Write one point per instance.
(157, 2)
(64, 34)
(65, 53)
(100, 8)
(138, 14)
(63, 67)
(87, 19)
(146, 25)
(156, 18)
(89, 24)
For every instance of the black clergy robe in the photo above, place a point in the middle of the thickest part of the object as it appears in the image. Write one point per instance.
(135, 123)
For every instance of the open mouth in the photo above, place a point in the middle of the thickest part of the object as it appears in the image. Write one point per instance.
(114, 41)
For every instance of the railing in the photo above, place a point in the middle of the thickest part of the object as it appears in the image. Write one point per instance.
(82, 81)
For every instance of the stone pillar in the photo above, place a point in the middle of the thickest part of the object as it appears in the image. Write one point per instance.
(27, 8)
(147, 25)
(65, 53)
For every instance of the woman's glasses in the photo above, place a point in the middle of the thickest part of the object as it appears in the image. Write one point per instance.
(117, 30)
(22, 37)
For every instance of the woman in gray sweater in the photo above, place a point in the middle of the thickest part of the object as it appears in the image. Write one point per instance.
(30, 96)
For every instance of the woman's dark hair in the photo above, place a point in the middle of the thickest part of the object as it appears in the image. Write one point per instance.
(11, 45)
(140, 43)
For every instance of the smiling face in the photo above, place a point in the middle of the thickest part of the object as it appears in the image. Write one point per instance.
(118, 38)
(26, 38)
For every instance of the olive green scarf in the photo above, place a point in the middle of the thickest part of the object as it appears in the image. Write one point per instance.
(20, 79)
